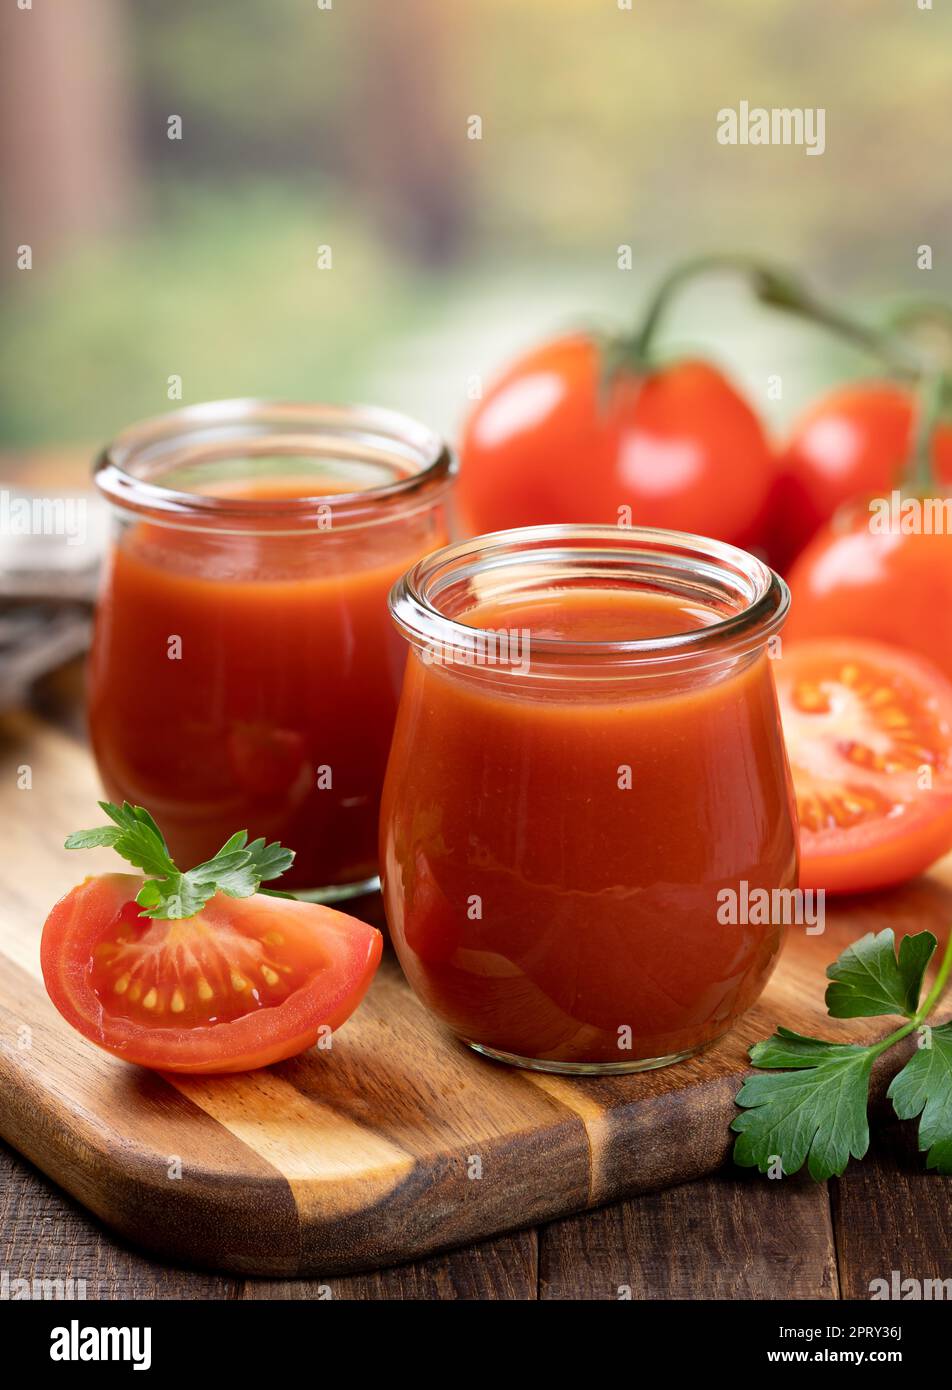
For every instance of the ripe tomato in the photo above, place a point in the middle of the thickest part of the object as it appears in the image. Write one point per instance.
(855, 442)
(869, 737)
(553, 441)
(246, 982)
(891, 587)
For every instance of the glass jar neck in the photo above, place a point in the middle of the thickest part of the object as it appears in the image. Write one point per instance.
(274, 467)
(744, 602)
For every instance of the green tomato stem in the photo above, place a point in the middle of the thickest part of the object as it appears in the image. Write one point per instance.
(779, 289)
(929, 403)
(930, 322)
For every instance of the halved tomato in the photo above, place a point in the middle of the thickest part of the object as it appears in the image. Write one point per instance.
(245, 982)
(869, 736)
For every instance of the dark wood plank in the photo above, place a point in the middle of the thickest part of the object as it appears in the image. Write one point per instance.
(45, 1235)
(503, 1269)
(891, 1213)
(725, 1237)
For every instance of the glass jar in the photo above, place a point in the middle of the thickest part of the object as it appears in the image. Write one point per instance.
(244, 673)
(587, 770)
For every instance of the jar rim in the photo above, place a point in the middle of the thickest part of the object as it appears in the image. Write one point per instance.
(215, 428)
(414, 597)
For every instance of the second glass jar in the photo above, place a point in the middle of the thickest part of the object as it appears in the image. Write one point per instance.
(587, 764)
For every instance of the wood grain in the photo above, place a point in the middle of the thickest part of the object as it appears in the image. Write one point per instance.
(890, 1214)
(505, 1269)
(396, 1143)
(722, 1237)
(45, 1235)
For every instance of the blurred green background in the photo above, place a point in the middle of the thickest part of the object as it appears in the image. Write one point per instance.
(304, 126)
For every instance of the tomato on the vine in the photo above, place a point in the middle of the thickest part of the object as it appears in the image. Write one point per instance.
(853, 442)
(854, 580)
(575, 432)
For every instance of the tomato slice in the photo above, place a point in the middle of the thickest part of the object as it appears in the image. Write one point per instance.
(244, 983)
(869, 737)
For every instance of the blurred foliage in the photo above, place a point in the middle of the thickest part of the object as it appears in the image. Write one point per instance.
(597, 121)
(224, 293)
(305, 126)
(260, 84)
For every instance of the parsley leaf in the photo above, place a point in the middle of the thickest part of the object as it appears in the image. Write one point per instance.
(868, 979)
(816, 1113)
(133, 834)
(924, 1086)
(812, 1108)
(238, 869)
(789, 1049)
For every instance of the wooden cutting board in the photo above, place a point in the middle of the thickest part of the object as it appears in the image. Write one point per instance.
(398, 1142)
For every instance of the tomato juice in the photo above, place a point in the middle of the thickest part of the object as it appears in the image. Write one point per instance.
(555, 841)
(244, 672)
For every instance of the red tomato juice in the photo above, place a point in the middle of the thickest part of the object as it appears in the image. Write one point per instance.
(548, 905)
(250, 681)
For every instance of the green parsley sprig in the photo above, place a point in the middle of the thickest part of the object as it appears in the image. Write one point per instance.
(813, 1107)
(238, 869)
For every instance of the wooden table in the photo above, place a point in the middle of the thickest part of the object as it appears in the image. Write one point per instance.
(727, 1237)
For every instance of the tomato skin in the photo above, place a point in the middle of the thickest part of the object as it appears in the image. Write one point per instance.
(77, 923)
(864, 866)
(886, 850)
(854, 442)
(679, 446)
(850, 582)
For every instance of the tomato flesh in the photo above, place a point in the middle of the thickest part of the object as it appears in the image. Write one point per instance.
(869, 737)
(244, 983)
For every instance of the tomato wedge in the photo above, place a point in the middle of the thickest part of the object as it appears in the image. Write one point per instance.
(869, 737)
(244, 983)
